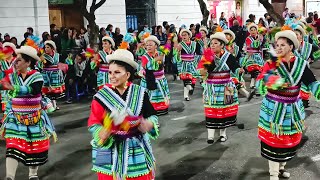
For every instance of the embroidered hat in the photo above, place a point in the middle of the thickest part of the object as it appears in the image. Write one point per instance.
(220, 36)
(203, 28)
(9, 44)
(124, 56)
(52, 43)
(187, 31)
(152, 38)
(28, 50)
(289, 34)
(108, 38)
(228, 31)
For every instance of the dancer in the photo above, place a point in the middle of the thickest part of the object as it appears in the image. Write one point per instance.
(141, 50)
(53, 86)
(26, 127)
(187, 62)
(6, 66)
(253, 60)
(121, 121)
(154, 79)
(102, 62)
(307, 52)
(282, 114)
(220, 95)
(237, 77)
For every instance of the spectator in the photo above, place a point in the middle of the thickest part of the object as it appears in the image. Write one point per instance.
(231, 19)
(84, 36)
(197, 28)
(154, 30)
(14, 40)
(6, 38)
(267, 20)
(109, 30)
(261, 22)
(1, 40)
(117, 37)
(164, 24)
(67, 42)
(26, 35)
(102, 33)
(56, 36)
(240, 34)
(46, 36)
(30, 31)
(77, 39)
(309, 19)
(285, 13)
(161, 36)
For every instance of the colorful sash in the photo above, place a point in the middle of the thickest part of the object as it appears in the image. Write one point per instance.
(5, 65)
(53, 60)
(221, 64)
(114, 102)
(305, 51)
(103, 56)
(296, 73)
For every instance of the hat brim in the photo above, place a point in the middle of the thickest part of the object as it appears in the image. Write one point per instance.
(53, 44)
(289, 35)
(125, 59)
(26, 52)
(152, 38)
(228, 31)
(187, 31)
(220, 36)
(110, 40)
(204, 29)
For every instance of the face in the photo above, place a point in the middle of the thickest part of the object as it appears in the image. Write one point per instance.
(185, 36)
(151, 46)
(203, 34)
(48, 49)
(283, 48)
(238, 5)
(110, 29)
(253, 31)
(7, 38)
(118, 30)
(78, 59)
(69, 32)
(216, 45)
(14, 41)
(299, 35)
(118, 75)
(160, 29)
(229, 37)
(20, 64)
(106, 45)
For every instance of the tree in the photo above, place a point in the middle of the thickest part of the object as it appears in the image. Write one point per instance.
(275, 16)
(204, 11)
(91, 18)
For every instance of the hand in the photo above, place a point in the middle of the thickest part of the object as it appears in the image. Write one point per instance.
(7, 85)
(145, 126)
(241, 70)
(179, 47)
(203, 72)
(104, 135)
(159, 59)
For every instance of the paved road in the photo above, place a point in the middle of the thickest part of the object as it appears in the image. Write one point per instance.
(181, 151)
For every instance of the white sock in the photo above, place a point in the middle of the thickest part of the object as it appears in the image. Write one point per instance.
(185, 92)
(274, 168)
(253, 82)
(54, 103)
(11, 167)
(223, 132)
(244, 92)
(211, 134)
(33, 171)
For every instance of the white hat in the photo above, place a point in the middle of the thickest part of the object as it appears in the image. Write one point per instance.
(187, 31)
(252, 25)
(301, 29)
(124, 56)
(303, 21)
(203, 28)
(53, 44)
(290, 35)
(301, 24)
(9, 44)
(28, 50)
(219, 35)
(108, 38)
(152, 38)
(228, 31)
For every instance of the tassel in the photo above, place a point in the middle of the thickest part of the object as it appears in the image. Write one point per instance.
(55, 137)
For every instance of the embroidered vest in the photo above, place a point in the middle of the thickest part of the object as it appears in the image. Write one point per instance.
(189, 51)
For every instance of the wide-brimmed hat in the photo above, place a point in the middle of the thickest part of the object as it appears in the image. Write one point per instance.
(203, 28)
(28, 50)
(108, 38)
(301, 29)
(152, 38)
(123, 55)
(9, 44)
(220, 36)
(251, 25)
(52, 43)
(187, 31)
(228, 31)
(289, 34)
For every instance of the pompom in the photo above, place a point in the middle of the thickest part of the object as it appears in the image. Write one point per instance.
(165, 49)
(219, 29)
(207, 58)
(198, 37)
(285, 27)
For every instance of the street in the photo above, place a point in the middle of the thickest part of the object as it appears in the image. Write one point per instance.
(182, 152)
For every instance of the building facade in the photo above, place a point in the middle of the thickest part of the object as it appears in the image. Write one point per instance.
(16, 16)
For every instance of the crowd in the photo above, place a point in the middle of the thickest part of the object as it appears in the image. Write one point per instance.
(126, 77)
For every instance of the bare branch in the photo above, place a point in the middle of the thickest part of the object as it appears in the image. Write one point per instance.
(275, 16)
(100, 3)
(204, 11)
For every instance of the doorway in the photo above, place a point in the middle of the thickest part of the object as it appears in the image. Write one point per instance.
(140, 13)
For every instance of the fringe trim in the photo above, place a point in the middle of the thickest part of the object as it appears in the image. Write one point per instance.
(155, 128)
(115, 177)
(277, 129)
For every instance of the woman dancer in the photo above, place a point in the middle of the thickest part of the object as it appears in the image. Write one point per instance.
(220, 94)
(121, 121)
(154, 79)
(282, 114)
(26, 127)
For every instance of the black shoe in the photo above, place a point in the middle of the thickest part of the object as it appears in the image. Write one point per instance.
(210, 141)
(305, 103)
(69, 101)
(240, 126)
(174, 77)
(187, 99)
(252, 93)
(8, 178)
(191, 92)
